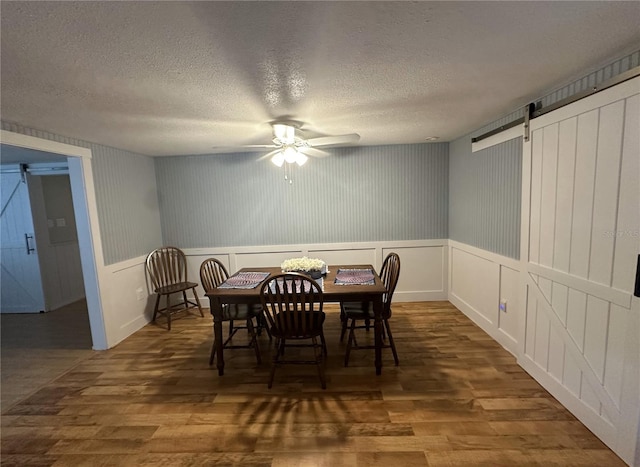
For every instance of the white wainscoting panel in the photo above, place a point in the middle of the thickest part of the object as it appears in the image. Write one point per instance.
(423, 262)
(423, 273)
(124, 312)
(478, 279)
(341, 256)
(267, 259)
(508, 320)
(475, 282)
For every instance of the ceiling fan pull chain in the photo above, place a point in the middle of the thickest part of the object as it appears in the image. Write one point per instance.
(288, 173)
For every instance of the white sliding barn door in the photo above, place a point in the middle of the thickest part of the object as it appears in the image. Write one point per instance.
(21, 290)
(580, 241)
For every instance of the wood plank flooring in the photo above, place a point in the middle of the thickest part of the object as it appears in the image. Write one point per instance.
(36, 348)
(457, 398)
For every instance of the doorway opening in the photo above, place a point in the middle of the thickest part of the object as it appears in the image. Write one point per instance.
(84, 206)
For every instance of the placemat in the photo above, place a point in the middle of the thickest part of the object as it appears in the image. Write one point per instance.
(355, 277)
(244, 280)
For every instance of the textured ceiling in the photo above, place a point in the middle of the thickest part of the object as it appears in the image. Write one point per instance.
(173, 78)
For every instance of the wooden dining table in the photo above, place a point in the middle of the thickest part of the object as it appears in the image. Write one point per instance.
(332, 292)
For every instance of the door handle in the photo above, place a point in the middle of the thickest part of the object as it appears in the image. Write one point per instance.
(28, 237)
(636, 290)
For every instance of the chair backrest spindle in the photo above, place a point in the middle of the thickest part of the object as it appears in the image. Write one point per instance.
(293, 304)
(166, 266)
(389, 273)
(212, 273)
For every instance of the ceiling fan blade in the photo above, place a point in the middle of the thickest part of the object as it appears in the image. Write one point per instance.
(268, 155)
(334, 140)
(245, 148)
(309, 151)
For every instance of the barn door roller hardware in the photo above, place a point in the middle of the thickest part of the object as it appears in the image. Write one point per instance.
(534, 110)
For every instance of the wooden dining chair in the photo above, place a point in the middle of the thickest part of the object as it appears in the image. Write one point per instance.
(212, 274)
(352, 313)
(167, 271)
(292, 304)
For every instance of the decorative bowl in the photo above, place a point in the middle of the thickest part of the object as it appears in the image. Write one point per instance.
(314, 274)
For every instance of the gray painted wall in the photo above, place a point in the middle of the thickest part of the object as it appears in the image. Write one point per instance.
(484, 196)
(360, 194)
(58, 206)
(126, 196)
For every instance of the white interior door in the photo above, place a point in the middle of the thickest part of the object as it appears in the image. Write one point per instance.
(19, 268)
(581, 238)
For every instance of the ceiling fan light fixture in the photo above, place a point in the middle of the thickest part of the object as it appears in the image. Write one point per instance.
(290, 154)
(291, 148)
(278, 159)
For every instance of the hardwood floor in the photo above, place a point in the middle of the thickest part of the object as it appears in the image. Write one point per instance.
(37, 348)
(457, 398)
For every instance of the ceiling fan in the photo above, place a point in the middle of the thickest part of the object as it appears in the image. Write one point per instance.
(291, 147)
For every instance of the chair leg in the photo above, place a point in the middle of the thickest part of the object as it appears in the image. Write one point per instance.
(391, 343)
(264, 324)
(230, 336)
(254, 340)
(271, 375)
(319, 363)
(185, 300)
(168, 311)
(155, 309)
(274, 363)
(355, 338)
(350, 342)
(195, 295)
(324, 344)
(345, 324)
(213, 353)
(230, 328)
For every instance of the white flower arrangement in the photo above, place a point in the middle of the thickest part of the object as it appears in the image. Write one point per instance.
(303, 264)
